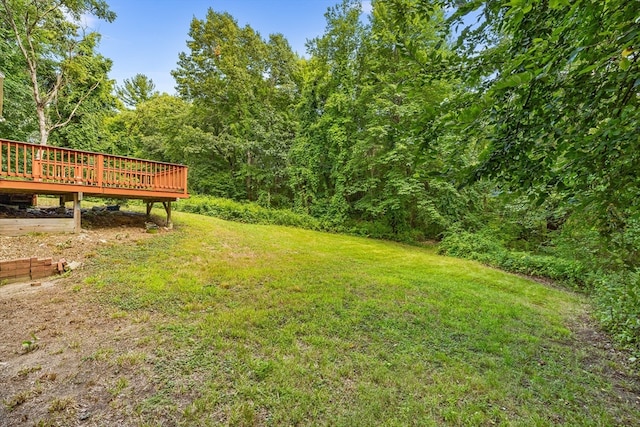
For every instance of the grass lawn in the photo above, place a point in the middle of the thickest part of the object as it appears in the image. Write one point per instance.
(271, 325)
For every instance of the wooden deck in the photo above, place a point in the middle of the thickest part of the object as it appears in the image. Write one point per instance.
(37, 169)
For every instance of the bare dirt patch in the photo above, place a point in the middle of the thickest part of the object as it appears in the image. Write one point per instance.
(99, 228)
(604, 358)
(63, 360)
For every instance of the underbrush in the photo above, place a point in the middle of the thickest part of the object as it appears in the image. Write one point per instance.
(618, 298)
(481, 248)
(253, 213)
(250, 213)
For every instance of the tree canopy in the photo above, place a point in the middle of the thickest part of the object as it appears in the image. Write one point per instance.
(136, 90)
(56, 57)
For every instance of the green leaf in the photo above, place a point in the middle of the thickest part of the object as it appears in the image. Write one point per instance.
(624, 64)
(557, 4)
(514, 80)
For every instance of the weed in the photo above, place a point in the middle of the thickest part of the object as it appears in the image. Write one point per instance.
(117, 388)
(30, 345)
(67, 244)
(22, 397)
(16, 400)
(142, 318)
(243, 414)
(61, 404)
(49, 376)
(26, 371)
(101, 355)
(119, 314)
(130, 359)
(58, 351)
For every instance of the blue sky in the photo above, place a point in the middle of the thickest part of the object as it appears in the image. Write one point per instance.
(148, 35)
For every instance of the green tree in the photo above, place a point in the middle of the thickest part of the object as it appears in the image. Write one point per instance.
(327, 114)
(56, 56)
(84, 106)
(556, 85)
(151, 130)
(20, 121)
(364, 150)
(240, 87)
(135, 90)
(396, 167)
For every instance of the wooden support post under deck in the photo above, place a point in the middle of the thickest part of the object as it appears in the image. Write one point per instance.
(149, 207)
(167, 208)
(77, 221)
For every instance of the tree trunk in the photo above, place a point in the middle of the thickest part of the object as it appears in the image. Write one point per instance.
(42, 125)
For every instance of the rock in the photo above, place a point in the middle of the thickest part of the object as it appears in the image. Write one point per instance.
(151, 227)
(84, 415)
(74, 265)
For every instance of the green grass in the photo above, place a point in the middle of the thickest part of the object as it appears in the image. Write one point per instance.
(280, 326)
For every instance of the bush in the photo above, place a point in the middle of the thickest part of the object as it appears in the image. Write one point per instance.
(246, 212)
(253, 213)
(618, 300)
(566, 271)
(468, 245)
(480, 247)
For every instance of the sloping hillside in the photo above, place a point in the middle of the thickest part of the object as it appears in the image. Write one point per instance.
(220, 322)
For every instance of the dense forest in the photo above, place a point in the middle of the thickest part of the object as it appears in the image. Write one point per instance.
(506, 130)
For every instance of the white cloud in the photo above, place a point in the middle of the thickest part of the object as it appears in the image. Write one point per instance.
(86, 21)
(367, 8)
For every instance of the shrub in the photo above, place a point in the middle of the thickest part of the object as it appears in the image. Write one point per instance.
(253, 213)
(480, 247)
(246, 212)
(566, 271)
(464, 244)
(618, 300)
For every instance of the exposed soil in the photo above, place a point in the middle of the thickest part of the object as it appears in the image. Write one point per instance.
(99, 227)
(63, 360)
(603, 358)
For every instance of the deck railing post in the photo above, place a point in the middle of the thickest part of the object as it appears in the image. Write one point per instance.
(36, 164)
(184, 179)
(100, 169)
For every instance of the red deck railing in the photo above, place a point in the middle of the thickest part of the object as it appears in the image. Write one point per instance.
(21, 161)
